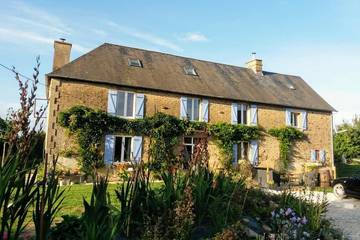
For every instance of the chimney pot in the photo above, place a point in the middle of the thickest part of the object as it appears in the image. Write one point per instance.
(255, 64)
(62, 51)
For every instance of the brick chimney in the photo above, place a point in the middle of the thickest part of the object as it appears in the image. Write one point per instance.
(255, 64)
(62, 51)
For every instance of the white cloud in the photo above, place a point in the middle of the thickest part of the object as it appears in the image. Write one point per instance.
(39, 17)
(146, 37)
(194, 37)
(99, 32)
(19, 37)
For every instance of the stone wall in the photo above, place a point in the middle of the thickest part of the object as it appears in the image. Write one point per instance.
(63, 94)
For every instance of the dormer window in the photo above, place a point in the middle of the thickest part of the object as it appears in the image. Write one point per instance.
(190, 70)
(133, 62)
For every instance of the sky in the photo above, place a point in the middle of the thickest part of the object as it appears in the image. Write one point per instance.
(317, 40)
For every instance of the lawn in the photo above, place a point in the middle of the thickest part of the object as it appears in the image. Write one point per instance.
(347, 170)
(74, 194)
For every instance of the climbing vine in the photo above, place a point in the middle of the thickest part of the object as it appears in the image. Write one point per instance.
(164, 131)
(286, 136)
(229, 134)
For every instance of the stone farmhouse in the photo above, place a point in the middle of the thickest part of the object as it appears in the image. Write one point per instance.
(133, 83)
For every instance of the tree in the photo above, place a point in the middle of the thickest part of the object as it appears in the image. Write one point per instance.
(347, 140)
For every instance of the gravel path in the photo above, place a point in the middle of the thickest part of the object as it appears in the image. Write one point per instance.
(345, 214)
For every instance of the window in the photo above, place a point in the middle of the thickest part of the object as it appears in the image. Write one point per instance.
(243, 151)
(125, 104)
(135, 62)
(189, 149)
(295, 119)
(190, 70)
(192, 109)
(317, 155)
(122, 149)
(242, 114)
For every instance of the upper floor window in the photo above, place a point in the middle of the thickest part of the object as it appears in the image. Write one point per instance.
(297, 119)
(190, 70)
(242, 114)
(125, 104)
(135, 62)
(194, 109)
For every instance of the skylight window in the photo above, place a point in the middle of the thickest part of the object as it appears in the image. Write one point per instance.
(292, 87)
(133, 62)
(190, 70)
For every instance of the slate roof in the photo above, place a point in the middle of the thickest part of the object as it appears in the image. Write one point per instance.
(108, 64)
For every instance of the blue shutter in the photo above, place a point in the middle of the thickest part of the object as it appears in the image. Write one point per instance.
(288, 117)
(304, 120)
(254, 152)
(112, 102)
(235, 156)
(234, 113)
(139, 105)
(136, 148)
(313, 156)
(109, 149)
(183, 108)
(205, 110)
(253, 115)
(322, 156)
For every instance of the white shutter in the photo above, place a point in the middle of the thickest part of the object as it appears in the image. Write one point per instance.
(304, 120)
(136, 148)
(112, 102)
(288, 117)
(254, 152)
(109, 149)
(139, 105)
(253, 115)
(234, 113)
(322, 156)
(205, 110)
(313, 155)
(183, 107)
(235, 156)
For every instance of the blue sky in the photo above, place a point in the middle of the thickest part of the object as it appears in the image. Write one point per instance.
(318, 40)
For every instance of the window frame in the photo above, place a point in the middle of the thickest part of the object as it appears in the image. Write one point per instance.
(241, 149)
(190, 70)
(122, 153)
(295, 115)
(317, 155)
(137, 64)
(126, 105)
(192, 144)
(246, 113)
(191, 117)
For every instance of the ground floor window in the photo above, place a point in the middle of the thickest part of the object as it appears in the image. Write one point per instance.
(190, 144)
(243, 151)
(122, 149)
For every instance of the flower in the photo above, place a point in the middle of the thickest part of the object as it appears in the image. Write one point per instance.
(288, 211)
(304, 220)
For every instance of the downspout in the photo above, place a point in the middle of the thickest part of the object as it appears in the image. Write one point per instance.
(332, 146)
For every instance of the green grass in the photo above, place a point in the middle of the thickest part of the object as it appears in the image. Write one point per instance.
(347, 170)
(74, 194)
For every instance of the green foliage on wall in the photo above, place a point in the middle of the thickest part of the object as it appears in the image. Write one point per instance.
(164, 131)
(229, 134)
(286, 137)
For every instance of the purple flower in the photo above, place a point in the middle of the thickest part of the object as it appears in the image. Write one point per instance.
(288, 211)
(304, 220)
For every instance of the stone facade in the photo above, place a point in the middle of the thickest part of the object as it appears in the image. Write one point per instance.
(64, 94)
